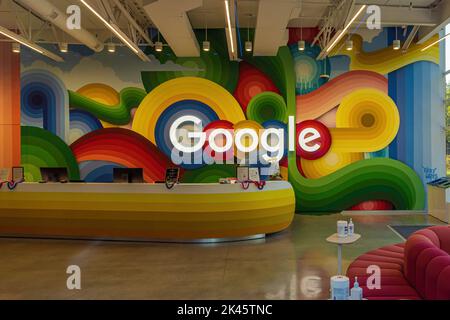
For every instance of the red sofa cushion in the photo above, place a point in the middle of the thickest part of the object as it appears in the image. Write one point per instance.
(422, 249)
(437, 279)
(393, 283)
(417, 269)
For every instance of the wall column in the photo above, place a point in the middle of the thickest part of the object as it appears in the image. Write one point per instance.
(9, 106)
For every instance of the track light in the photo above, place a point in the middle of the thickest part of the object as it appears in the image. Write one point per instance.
(158, 46)
(206, 46)
(248, 46)
(16, 47)
(396, 45)
(63, 47)
(349, 45)
(111, 47)
(301, 45)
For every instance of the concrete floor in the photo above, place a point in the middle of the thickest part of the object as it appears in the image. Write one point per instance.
(295, 264)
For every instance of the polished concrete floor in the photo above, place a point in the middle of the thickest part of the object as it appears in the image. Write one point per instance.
(295, 264)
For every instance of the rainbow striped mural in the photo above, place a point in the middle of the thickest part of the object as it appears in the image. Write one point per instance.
(374, 109)
(44, 101)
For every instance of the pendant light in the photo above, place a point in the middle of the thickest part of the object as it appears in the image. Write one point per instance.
(158, 44)
(206, 43)
(396, 44)
(248, 43)
(349, 45)
(63, 47)
(16, 47)
(111, 47)
(324, 75)
(301, 42)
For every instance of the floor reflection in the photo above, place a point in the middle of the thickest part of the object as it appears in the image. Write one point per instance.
(295, 264)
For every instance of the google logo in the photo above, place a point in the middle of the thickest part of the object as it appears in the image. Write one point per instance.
(310, 139)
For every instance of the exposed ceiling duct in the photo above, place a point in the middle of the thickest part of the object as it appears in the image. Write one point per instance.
(271, 32)
(50, 13)
(170, 17)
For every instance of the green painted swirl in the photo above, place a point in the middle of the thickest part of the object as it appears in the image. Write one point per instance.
(267, 106)
(41, 148)
(119, 114)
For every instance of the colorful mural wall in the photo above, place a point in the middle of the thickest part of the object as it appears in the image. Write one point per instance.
(120, 117)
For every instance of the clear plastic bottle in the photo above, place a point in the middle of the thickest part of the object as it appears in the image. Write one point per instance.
(356, 293)
(351, 228)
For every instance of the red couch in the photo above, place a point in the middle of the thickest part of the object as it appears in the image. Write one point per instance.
(416, 269)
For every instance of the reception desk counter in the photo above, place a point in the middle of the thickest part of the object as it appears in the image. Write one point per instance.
(145, 211)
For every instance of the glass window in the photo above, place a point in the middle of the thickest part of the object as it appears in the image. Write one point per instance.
(447, 94)
(447, 55)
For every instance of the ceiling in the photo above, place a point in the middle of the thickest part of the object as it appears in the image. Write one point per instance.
(211, 12)
(308, 13)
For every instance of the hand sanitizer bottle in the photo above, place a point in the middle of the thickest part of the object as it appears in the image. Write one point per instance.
(351, 228)
(356, 291)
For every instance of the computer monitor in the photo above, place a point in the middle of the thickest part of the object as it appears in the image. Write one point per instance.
(54, 174)
(173, 175)
(128, 175)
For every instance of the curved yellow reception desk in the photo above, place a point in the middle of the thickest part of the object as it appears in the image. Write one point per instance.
(145, 211)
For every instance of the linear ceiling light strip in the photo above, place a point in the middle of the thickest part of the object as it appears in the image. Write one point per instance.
(230, 31)
(33, 46)
(342, 33)
(116, 30)
(436, 42)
